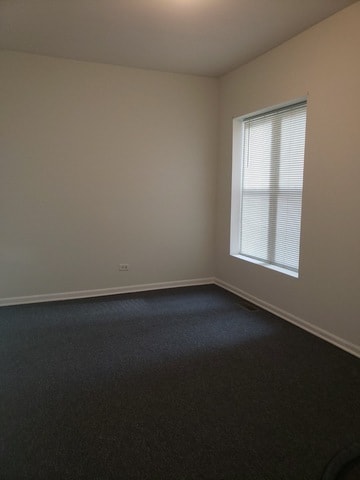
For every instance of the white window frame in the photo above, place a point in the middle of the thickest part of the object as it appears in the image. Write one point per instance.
(236, 195)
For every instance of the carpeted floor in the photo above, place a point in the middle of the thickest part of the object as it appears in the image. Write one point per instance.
(175, 384)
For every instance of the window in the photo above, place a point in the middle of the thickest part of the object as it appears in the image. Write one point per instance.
(268, 162)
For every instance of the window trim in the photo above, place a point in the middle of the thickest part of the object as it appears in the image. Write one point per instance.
(236, 188)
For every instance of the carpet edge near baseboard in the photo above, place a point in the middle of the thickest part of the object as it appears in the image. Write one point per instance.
(53, 297)
(309, 327)
(313, 329)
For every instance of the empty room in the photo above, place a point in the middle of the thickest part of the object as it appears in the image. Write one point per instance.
(179, 239)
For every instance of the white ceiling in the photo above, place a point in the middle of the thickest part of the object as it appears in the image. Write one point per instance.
(206, 37)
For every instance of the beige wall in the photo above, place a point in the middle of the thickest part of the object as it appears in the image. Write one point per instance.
(102, 165)
(323, 63)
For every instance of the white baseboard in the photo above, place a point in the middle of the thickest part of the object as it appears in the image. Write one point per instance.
(319, 332)
(51, 297)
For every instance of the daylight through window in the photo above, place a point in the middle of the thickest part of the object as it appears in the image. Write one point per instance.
(267, 187)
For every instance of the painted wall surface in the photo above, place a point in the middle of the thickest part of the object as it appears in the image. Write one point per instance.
(324, 64)
(102, 165)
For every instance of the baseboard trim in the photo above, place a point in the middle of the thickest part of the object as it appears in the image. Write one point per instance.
(319, 332)
(53, 297)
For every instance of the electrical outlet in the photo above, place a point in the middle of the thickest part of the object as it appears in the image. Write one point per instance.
(123, 267)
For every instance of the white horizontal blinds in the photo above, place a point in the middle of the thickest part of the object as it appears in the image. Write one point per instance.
(272, 177)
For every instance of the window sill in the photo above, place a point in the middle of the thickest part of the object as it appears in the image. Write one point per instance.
(285, 271)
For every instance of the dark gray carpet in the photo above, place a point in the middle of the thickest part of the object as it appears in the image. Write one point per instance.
(175, 384)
